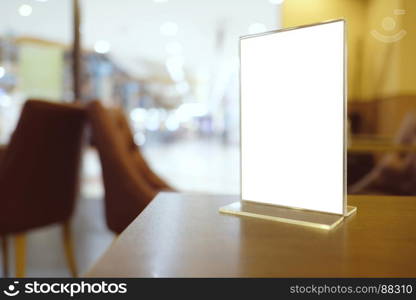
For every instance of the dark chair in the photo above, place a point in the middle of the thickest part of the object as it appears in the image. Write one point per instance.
(128, 189)
(139, 161)
(39, 175)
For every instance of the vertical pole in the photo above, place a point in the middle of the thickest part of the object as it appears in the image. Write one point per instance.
(76, 52)
(68, 242)
(20, 254)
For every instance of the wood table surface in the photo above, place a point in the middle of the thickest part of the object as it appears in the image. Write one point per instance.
(367, 147)
(184, 235)
(370, 145)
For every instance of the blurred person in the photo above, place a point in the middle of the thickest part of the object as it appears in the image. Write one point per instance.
(395, 173)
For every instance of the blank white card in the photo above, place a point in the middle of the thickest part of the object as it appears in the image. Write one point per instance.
(292, 117)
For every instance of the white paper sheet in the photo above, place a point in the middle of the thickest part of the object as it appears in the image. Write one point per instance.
(292, 117)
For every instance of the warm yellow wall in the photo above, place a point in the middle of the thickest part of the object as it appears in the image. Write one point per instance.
(298, 12)
(376, 68)
(380, 67)
(41, 69)
(408, 50)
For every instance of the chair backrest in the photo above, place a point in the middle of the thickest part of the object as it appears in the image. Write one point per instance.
(127, 192)
(39, 172)
(140, 162)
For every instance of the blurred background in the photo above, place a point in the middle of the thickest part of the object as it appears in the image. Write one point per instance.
(172, 66)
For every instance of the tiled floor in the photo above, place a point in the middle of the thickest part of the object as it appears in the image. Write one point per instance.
(195, 165)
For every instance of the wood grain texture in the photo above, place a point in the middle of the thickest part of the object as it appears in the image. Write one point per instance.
(184, 235)
(377, 147)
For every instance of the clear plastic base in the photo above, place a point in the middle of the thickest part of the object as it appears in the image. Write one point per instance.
(284, 214)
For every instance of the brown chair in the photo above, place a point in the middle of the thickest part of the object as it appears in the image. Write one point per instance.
(139, 162)
(127, 188)
(39, 173)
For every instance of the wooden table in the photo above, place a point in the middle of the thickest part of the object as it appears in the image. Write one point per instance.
(374, 144)
(368, 147)
(184, 235)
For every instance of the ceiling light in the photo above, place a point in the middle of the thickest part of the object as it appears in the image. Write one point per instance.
(174, 65)
(152, 120)
(5, 100)
(138, 114)
(160, 1)
(256, 28)
(172, 123)
(25, 10)
(182, 87)
(42, 0)
(169, 28)
(139, 139)
(102, 47)
(189, 110)
(174, 48)
(2, 72)
(277, 2)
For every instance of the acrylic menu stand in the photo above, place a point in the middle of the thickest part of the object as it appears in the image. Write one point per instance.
(285, 214)
(322, 217)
